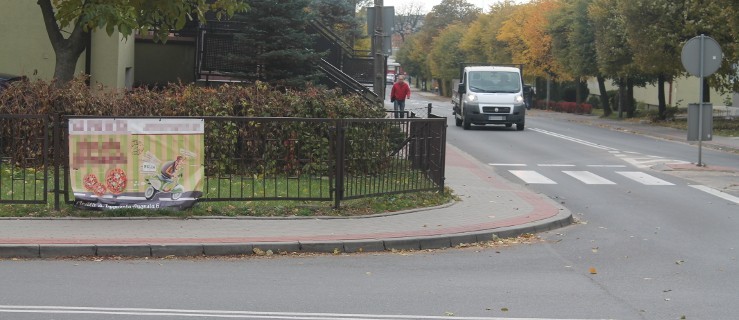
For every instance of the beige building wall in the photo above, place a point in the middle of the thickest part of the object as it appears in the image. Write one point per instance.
(112, 60)
(684, 90)
(25, 47)
(26, 50)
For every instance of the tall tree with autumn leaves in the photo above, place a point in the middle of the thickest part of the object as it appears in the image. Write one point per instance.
(415, 52)
(632, 43)
(525, 33)
(573, 46)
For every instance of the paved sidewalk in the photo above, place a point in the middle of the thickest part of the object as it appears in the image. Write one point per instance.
(489, 205)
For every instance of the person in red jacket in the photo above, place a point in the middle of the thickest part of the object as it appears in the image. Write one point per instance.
(400, 91)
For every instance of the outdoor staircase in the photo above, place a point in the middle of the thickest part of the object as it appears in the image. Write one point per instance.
(344, 67)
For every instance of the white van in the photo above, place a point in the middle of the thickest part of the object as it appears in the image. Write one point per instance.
(491, 94)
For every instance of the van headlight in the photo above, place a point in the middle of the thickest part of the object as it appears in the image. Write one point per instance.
(518, 99)
(472, 97)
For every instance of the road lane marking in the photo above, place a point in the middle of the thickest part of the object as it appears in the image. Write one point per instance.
(168, 313)
(606, 166)
(720, 194)
(573, 139)
(531, 177)
(644, 178)
(507, 164)
(555, 165)
(588, 177)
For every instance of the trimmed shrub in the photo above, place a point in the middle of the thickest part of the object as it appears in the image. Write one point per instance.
(564, 106)
(227, 141)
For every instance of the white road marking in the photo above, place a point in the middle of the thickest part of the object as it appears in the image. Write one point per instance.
(644, 178)
(712, 191)
(632, 157)
(606, 166)
(555, 165)
(588, 177)
(507, 164)
(531, 177)
(576, 140)
(229, 314)
(649, 161)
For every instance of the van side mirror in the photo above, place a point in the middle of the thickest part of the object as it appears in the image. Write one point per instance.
(461, 88)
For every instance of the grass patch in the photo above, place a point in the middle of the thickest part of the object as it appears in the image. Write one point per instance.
(27, 184)
(722, 126)
(355, 207)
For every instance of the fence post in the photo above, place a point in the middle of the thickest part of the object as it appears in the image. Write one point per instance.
(339, 165)
(57, 133)
(443, 157)
(428, 115)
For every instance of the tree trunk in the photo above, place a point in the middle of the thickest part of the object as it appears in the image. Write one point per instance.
(661, 97)
(66, 51)
(578, 100)
(630, 107)
(621, 96)
(604, 96)
(706, 90)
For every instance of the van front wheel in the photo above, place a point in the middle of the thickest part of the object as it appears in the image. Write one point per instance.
(519, 126)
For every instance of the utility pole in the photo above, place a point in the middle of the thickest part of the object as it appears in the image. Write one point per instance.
(379, 53)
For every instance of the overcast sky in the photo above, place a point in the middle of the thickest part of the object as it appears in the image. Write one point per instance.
(428, 4)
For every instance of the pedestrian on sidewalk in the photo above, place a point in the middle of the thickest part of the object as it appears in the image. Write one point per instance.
(398, 94)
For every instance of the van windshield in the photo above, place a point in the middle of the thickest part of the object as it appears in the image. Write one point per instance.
(494, 82)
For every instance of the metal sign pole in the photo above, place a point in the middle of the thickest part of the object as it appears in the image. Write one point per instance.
(701, 56)
(700, 103)
(379, 79)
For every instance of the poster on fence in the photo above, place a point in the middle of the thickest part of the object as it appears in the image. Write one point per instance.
(136, 163)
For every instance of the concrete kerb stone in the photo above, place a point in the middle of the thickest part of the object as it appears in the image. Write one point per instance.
(67, 250)
(402, 244)
(437, 242)
(178, 250)
(277, 247)
(465, 238)
(371, 245)
(20, 251)
(322, 246)
(227, 249)
(126, 250)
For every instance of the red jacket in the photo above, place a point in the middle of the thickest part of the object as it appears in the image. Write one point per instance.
(400, 91)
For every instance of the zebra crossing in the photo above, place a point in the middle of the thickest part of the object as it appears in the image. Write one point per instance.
(632, 159)
(587, 177)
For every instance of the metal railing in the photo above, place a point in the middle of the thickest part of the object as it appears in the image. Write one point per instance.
(251, 159)
(24, 159)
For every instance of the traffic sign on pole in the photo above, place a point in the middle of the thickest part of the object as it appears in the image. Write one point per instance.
(709, 56)
(701, 56)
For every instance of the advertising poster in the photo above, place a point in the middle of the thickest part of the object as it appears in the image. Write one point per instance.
(136, 163)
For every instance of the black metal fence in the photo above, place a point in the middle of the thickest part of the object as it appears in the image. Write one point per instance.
(24, 159)
(250, 159)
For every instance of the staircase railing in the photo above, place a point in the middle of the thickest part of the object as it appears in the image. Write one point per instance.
(346, 82)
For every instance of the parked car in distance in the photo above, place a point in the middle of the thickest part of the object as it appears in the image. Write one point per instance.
(389, 78)
(6, 79)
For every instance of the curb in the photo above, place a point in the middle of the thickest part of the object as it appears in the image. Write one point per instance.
(50, 251)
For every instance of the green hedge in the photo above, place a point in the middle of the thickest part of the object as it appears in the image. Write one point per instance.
(223, 138)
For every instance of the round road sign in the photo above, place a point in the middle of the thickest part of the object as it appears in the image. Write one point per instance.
(691, 56)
